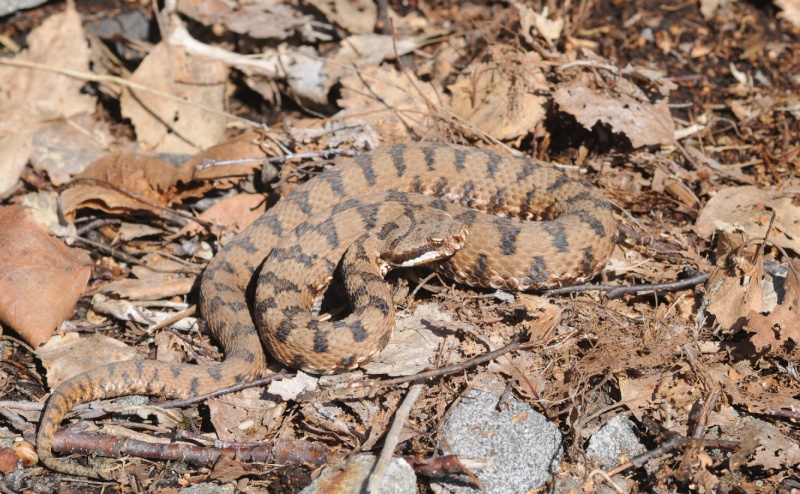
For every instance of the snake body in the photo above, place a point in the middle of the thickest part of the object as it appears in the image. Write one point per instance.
(302, 238)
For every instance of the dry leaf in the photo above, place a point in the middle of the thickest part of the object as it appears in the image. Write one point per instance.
(266, 19)
(748, 208)
(32, 99)
(774, 451)
(626, 110)
(356, 16)
(165, 279)
(639, 394)
(389, 101)
(775, 329)
(69, 355)
(43, 206)
(64, 149)
(532, 23)
(233, 213)
(791, 11)
(500, 96)
(147, 177)
(41, 279)
(734, 285)
(237, 416)
(165, 125)
(414, 344)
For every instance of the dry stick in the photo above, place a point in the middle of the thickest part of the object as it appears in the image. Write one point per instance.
(616, 291)
(760, 251)
(708, 405)
(671, 445)
(177, 317)
(279, 451)
(118, 254)
(450, 369)
(88, 76)
(392, 439)
(230, 389)
(324, 154)
(96, 224)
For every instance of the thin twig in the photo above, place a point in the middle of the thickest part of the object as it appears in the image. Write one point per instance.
(103, 78)
(393, 439)
(230, 389)
(450, 369)
(616, 291)
(177, 317)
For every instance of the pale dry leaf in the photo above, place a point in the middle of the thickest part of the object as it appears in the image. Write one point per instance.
(638, 393)
(734, 286)
(237, 416)
(709, 7)
(206, 12)
(290, 388)
(125, 310)
(363, 50)
(776, 329)
(370, 49)
(775, 451)
(753, 107)
(501, 96)
(32, 99)
(414, 344)
(165, 125)
(69, 355)
(43, 207)
(626, 110)
(791, 11)
(532, 23)
(748, 208)
(131, 231)
(355, 16)
(265, 19)
(157, 287)
(64, 149)
(41, 279)
(168, 348)
(306, 75)
(394, 103)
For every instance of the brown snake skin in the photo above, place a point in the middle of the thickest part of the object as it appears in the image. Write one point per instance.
(310, 229)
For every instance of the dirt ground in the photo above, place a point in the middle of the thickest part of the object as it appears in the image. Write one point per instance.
(686, 114)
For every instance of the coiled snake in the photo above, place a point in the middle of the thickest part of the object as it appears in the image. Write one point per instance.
(378, 200)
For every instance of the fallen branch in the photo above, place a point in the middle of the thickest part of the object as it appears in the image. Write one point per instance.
(278, 451)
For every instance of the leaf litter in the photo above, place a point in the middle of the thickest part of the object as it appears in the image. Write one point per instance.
(684, 115)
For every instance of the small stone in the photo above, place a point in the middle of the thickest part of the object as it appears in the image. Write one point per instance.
(352, 477)
(523, 447)
(616, 438)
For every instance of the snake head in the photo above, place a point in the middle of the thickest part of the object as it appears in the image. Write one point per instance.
(430, 237)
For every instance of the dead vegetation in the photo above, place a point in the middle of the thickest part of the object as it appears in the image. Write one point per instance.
(687, 115)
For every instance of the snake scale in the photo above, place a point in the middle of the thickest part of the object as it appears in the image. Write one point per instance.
(378, 197)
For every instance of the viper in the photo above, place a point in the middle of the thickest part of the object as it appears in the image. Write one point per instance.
(477, 217)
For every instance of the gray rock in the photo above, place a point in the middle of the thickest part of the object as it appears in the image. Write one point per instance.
(351, 478)
(523, 447)
(209, 488)
(617, 437)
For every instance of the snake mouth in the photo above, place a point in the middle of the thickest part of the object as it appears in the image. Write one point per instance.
(435, 249)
